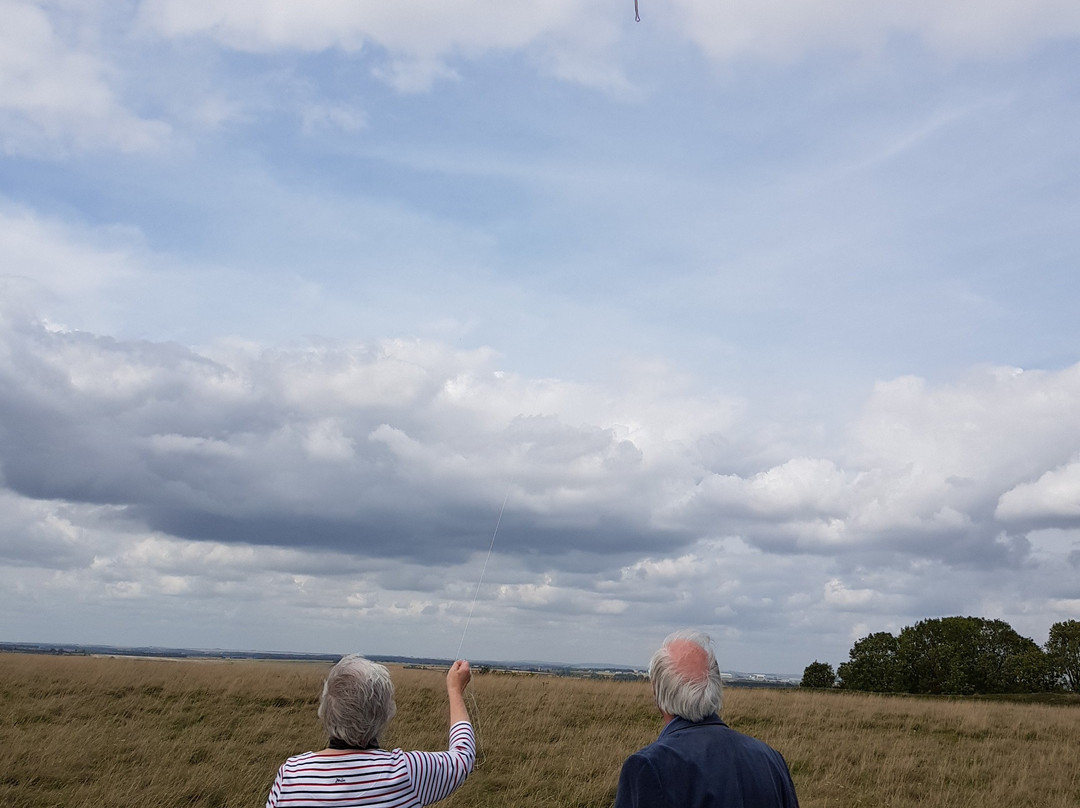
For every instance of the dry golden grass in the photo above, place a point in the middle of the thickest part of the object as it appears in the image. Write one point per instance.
(77, 731)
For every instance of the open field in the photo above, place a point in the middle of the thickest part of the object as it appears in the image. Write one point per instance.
(80, 731)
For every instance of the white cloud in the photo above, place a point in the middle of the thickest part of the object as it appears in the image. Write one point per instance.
(46, 258)
(800, 486)
(447, 402)
(569, 36)
(63, 90)
(837, 594)
(420, 38)
(327, 440)
(410, 26)
(1054, 496)
(925, 466)
(52, 534)
(56, 95)
(996, 421)
(348, 433)
(666, 570)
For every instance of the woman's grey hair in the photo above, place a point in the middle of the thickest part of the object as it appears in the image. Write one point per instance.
(686, 679)
(357, 701)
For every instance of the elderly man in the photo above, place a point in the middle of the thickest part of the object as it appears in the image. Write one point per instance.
(698, 761)
(356, 705)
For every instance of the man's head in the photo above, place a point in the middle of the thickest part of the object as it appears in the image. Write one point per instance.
(685, 677)
(357, 701)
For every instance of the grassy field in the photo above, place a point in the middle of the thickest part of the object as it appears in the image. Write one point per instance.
(79, 731)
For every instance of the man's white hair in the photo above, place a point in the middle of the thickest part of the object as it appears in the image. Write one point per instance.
(690, 689)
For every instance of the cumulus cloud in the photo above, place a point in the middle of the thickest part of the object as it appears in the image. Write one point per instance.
(403, 448)
(1053, 498)
(398, 448)
(923, 471)
(801, 486)
(363, 481)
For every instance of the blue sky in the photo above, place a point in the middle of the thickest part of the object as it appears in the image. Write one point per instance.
(760, 317)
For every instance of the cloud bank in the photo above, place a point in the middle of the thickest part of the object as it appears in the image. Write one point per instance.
(381, 467)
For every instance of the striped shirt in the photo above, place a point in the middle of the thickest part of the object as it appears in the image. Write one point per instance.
(374, 777)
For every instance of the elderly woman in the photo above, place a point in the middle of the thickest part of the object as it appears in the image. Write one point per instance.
(356, 705)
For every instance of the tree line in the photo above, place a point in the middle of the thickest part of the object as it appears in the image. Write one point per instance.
(957, 656)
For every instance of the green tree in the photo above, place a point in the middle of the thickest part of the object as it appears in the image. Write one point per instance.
(1063, 652)
(961, 655)
(818, 674)
(872, 665)
(1032, 671)
(966, 655)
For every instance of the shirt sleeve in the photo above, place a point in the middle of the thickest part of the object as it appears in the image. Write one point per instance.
(435, 775)
(275, 790)
(639, 785)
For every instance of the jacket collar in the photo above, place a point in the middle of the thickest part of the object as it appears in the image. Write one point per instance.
(679, 723)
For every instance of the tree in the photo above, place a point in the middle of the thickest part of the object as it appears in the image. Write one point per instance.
(872, 664)
(1033, 672)
(1063, 651)
(818, 674)
(966, 655)
(958, 655)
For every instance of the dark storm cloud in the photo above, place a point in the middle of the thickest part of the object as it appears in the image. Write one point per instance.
(354, 451)
(433, 534)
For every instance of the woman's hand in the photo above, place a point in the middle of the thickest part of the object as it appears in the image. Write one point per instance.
(458, 677)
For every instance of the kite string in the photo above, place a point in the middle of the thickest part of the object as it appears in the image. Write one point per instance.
(476, 594)
(470, 695)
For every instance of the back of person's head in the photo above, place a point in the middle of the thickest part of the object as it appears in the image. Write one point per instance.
(685, 676)
(357, 701)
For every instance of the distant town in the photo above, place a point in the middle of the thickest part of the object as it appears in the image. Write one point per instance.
(591, 671)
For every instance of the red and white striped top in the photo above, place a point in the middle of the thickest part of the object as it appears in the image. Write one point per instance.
(374, 777)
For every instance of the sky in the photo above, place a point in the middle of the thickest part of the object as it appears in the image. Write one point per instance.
(532, 332)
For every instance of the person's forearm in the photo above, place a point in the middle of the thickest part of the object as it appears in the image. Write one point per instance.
(458, 711)
(457, 679)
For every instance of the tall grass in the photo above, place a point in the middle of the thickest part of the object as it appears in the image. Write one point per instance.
(77, 731)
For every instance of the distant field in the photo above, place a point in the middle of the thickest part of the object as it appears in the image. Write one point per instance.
(80, 731)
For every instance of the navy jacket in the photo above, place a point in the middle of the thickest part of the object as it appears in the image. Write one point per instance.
(705, 765)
